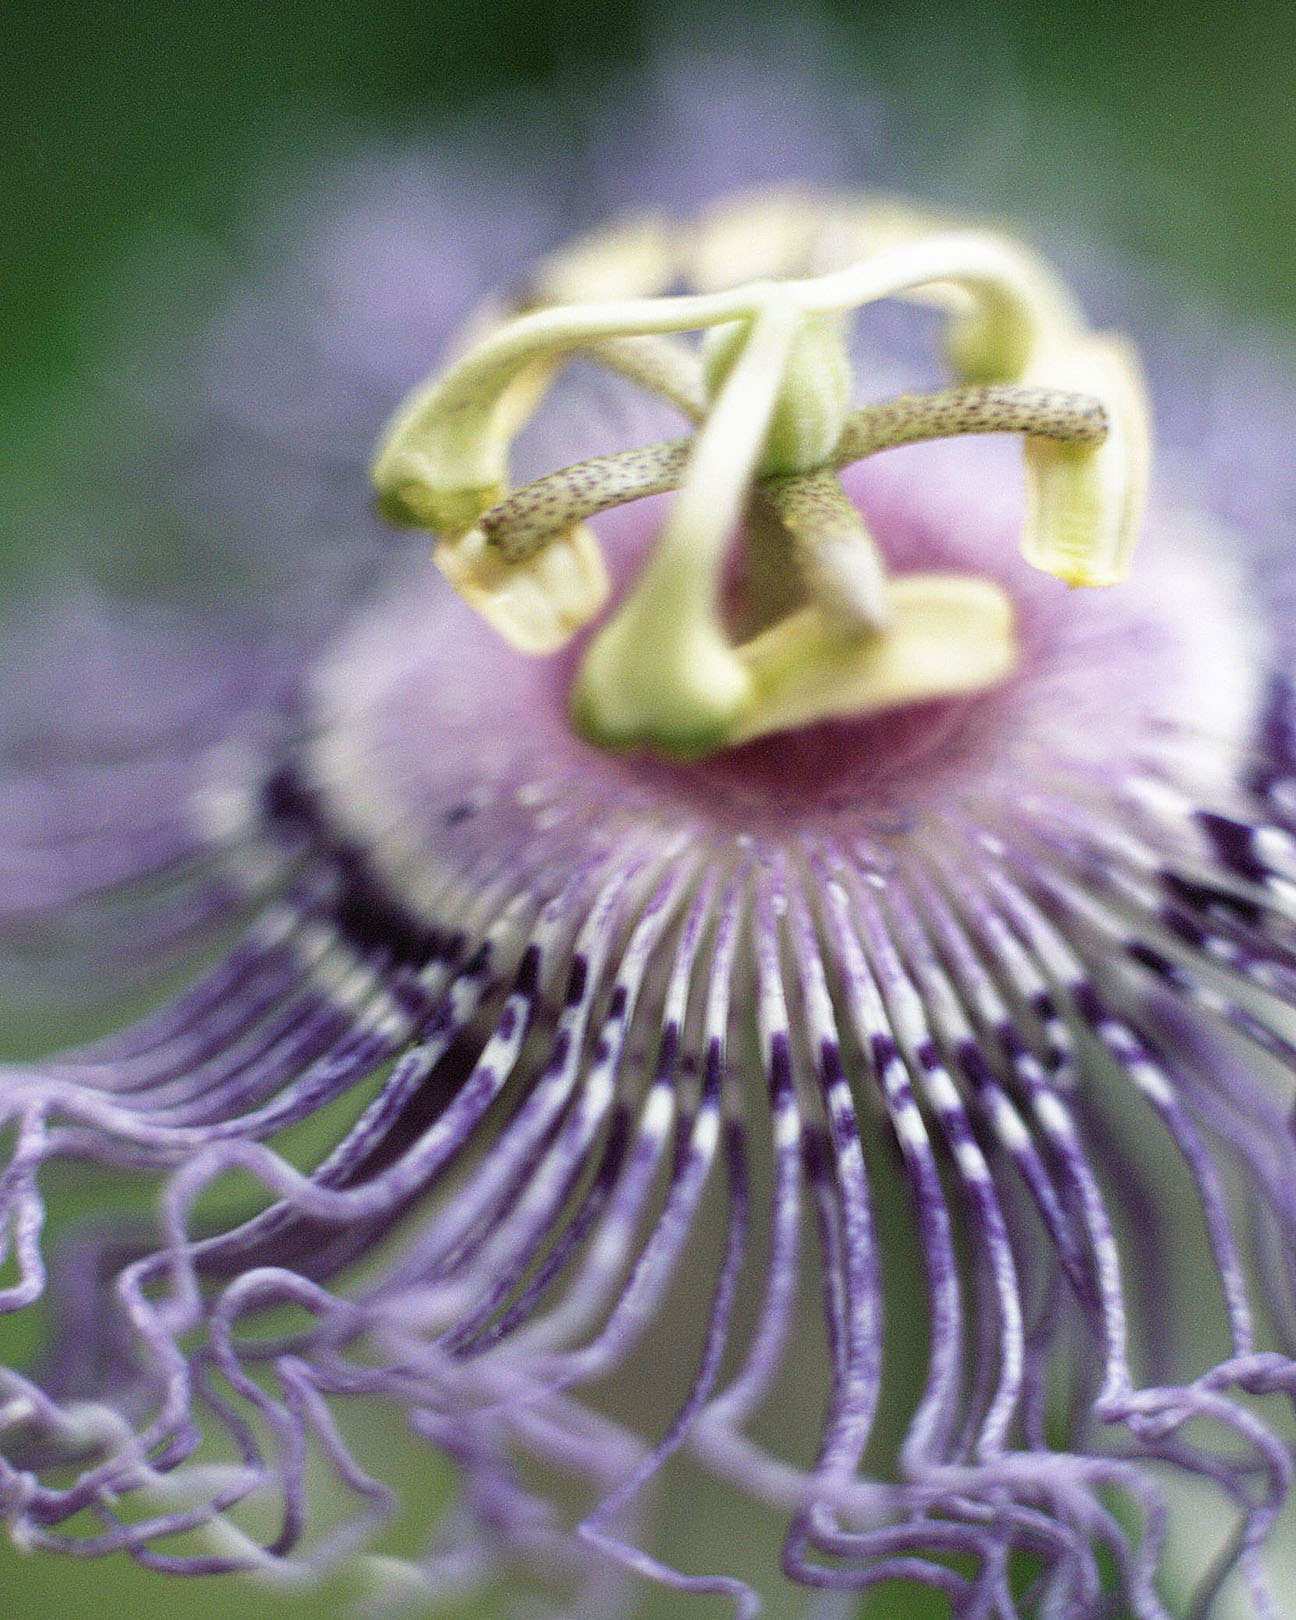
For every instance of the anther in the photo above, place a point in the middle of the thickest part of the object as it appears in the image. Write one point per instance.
(841, 567)
(529, 518)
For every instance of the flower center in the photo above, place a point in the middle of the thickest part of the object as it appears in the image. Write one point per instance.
(768, 395)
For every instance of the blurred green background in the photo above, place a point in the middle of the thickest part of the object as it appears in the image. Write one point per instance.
(1167, 130)
(1171, 126)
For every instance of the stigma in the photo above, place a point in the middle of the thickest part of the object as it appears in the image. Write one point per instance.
(757, 358)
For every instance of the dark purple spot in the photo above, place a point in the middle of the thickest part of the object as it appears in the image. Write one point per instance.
(780, 1066)
(368, 917)
(713, 1069)
(815, 1152)
(735, 1138)
(1184, 928)
(577, 980)
(410, 996)
(830, 1062)
(1010, 1040)
(884, 1053)
(971, 1059)
(1152, 959)
(1232, 843)
(1207, 897)
(1087, 1004)
(286, 801)
(617, 1138)
(668, 1051)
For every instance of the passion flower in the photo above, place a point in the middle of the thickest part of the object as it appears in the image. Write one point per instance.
(766, 918)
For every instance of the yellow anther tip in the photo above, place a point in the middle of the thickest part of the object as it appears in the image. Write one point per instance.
(1085, 502)
(537, 606)
(950, 635)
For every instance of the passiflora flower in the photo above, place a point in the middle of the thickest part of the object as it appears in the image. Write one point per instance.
(784, 962)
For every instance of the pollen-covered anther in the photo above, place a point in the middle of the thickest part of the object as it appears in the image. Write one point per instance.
(768, 393)
(1085, 501)
(537, 603)
(842, 569)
